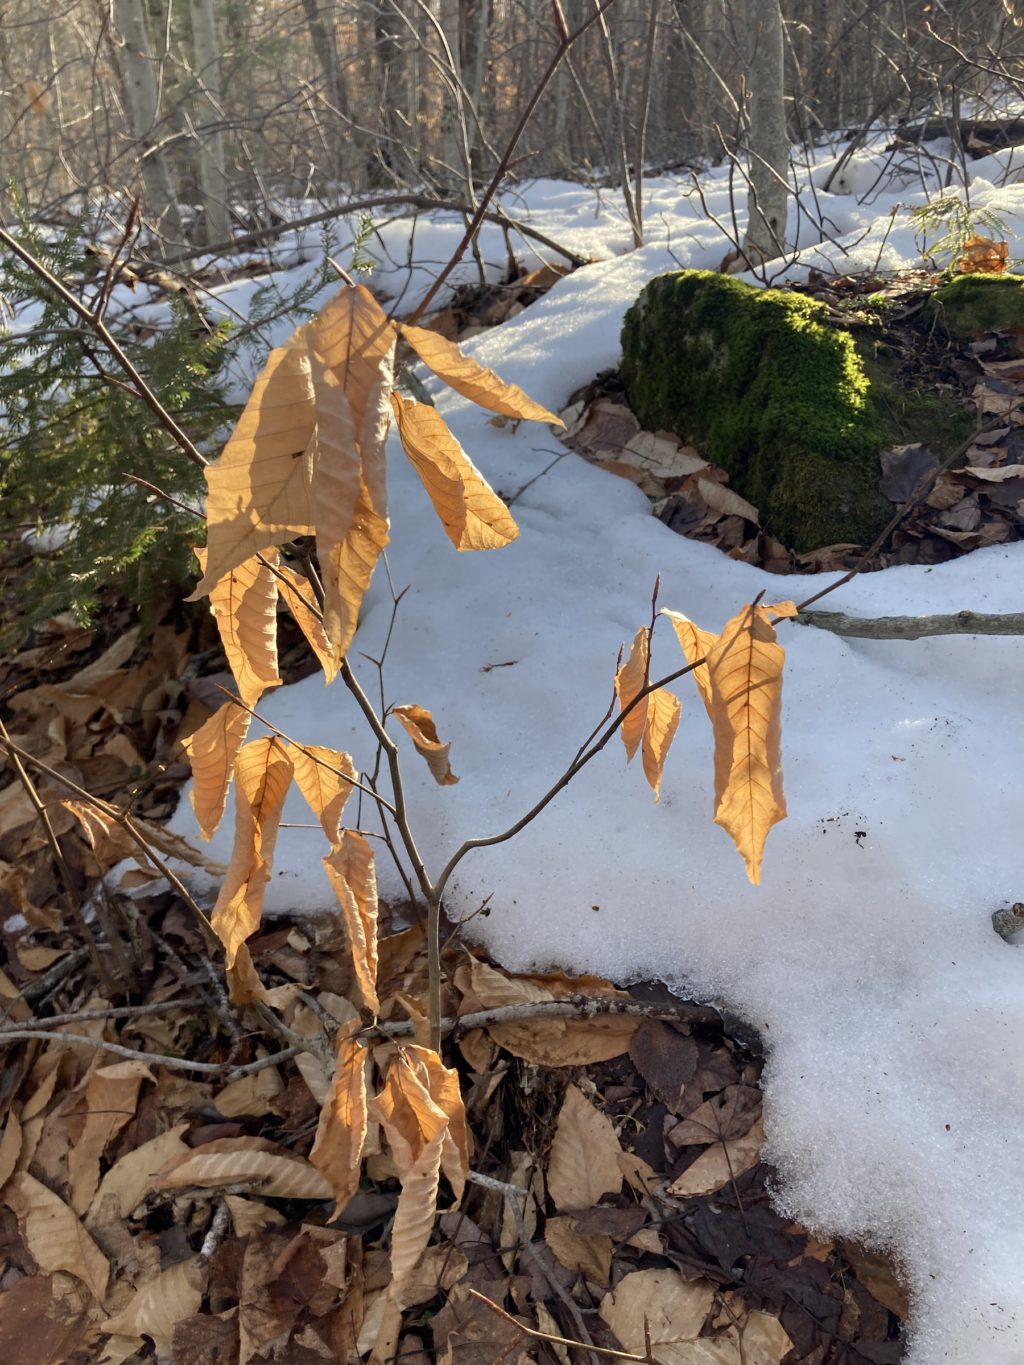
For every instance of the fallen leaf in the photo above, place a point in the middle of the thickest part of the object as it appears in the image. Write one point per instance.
(111, 1097)
(584, 1160)
(589, 1256)
(54, 1236)
(720, 1164)
(159, 1304)
(276, 1175)
(659, 1302)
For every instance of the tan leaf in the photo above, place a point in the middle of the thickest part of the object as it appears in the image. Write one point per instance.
(295, 591)
(10, 1147)
(695, 644)
(745, 668)
(260, 489)
(324, 777)
(277, 1175)
(351, 872)
(418, 724)
(111, 1097)
(54, 1236)
(348, 566)
(442, 1084)
(253, 1094)
(130, 1178)
(415, 1128)
(160, 1303)
(662, 723)
(720, 1164)
(212, 751)
(662, 1303)
(341, 1132)
(465, 376)
(251, 1215)
(629, 680)
(724, 500)
(584, 1161)
(589, 1256)
(110, 840)
(264, 772)
(472, 514)
(244, 605)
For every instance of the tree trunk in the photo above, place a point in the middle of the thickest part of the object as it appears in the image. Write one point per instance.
(322, 37)
(212, 177)
(768, 142)
(454, 170)
(142, 106)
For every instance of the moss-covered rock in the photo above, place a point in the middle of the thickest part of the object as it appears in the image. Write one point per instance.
(767, 387)
(974, 304)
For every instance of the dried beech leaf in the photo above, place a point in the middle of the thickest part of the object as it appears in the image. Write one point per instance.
(10, 1147)
(465, 376)
(351, 872)
(295, 592)
(472, 514)
(695, 644)
(719, 1164)
(745, 668)
(251, 1215)
(442, 1084)
(244, 605)
(160, 1303)
(273, 1174)
(110, 841)
(130, 1178)
(259, 489)
(584, 1161)
(263, 774)
(341, 1132)
(662, 723)
(212, 751)
(54, 1236)
(588, 1256)
(629, 680)
(659, 1302)
(348, 566)
(111, 1097)
(418, 724)
(319, 777)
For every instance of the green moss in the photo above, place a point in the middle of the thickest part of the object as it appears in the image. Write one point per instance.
(767, 387)
(973, 304)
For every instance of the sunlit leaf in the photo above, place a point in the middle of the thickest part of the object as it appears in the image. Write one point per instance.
(341, 1132)
(325, 777)
(351, 872)
(695, 644)
(295, 593)
(472, 514)
(745, 669)
(212, 751)
(160, 1303)
(418, 724)
(244, 605)
(263, 775)
(629, 680)
(662, 722)
(471, 379)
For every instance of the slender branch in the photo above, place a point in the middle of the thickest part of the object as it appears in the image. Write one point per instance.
(18, 1035)
(537, 1335)
(577, 1007)
(914, 627)
(120, 1012)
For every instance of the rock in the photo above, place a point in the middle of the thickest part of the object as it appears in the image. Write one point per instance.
(765, 384)
(975, 304)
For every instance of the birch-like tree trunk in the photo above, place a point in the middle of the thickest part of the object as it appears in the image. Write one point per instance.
(142, 106)
(210, 152)
(768, 142)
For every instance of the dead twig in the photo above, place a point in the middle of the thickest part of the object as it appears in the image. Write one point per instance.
(577, 1007)
(915, 627)
(536, 1335)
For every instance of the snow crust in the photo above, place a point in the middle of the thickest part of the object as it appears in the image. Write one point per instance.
(892, 1012)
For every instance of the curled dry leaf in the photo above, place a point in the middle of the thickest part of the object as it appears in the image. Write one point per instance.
(472, 514)
(244, 605)
(695, 644)
(418, 1109)
(212, 751)
(54, 1236)
(264, 773)
(341, 1132)
(584, 1162)
(110, 840)
(160, 1303)
(473, 381)
(278, 1175)
(660, 730)
(351, 872)
(324, 777)
(629, 680)
(295, 592)
(418, 724)
(745, 670)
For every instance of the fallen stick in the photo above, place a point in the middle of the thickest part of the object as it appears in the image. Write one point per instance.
(915, 627)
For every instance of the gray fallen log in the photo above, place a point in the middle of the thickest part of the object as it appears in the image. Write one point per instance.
(915, 627)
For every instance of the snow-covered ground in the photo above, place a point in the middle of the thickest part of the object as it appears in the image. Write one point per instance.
(892, 1012)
